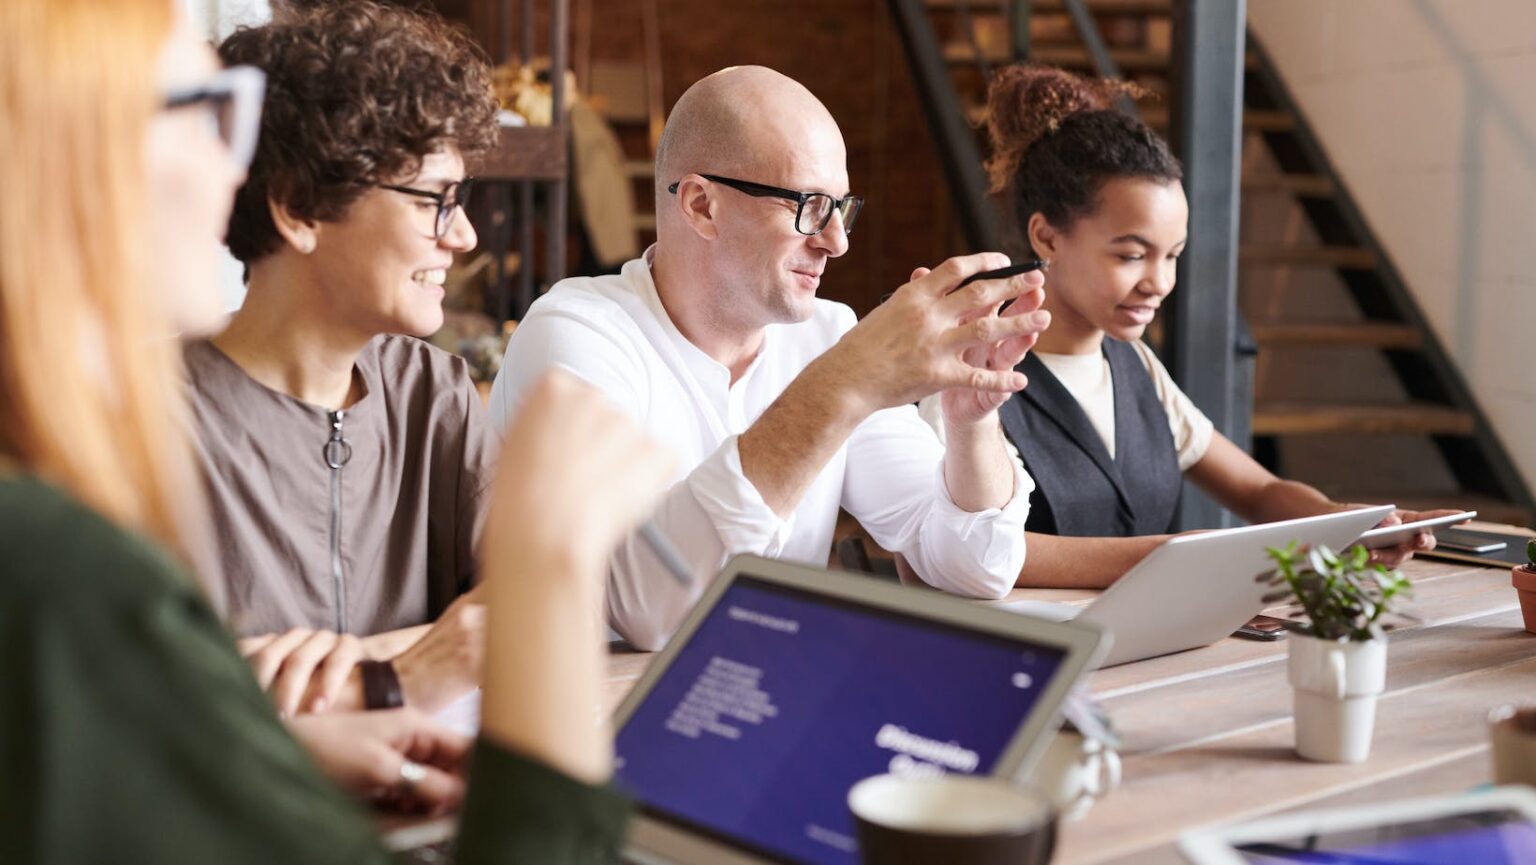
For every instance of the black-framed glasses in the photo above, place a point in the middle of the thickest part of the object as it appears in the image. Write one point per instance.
(454, 196)
(815, 208)
(234, 97)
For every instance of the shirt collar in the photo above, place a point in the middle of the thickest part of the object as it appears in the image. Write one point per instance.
(704, 368)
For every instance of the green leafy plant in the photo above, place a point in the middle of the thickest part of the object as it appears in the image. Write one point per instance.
(1343, 594)
(1530, 554)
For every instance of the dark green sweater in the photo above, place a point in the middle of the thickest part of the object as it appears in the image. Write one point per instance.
(131, 730)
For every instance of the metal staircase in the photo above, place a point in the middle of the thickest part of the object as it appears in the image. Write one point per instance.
(1323, 291)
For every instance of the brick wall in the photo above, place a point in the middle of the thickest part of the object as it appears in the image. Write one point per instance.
(848, 54)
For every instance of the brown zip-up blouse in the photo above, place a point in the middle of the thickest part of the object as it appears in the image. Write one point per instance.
(363, 520)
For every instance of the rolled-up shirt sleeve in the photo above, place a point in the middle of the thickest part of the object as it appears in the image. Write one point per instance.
(895, 487)
(709, 514)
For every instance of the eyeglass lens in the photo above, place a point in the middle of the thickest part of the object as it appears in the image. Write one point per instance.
(816, 212)
(454, 197)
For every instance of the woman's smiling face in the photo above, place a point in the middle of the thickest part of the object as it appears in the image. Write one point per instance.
(1112, 268)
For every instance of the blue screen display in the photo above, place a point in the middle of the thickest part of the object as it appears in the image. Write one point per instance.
(782, 700)
(1485, 838)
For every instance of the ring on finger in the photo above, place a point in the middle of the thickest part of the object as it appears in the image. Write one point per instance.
(411, 774)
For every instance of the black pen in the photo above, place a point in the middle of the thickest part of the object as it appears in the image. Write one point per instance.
(1000, 273)
(1003, 272)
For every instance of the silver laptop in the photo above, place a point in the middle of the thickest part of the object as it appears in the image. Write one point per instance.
(787, 684)
(1195, 589)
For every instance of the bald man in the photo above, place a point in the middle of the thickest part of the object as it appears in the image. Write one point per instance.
(781, 407)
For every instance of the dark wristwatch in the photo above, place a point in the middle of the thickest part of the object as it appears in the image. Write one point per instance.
(381, 685)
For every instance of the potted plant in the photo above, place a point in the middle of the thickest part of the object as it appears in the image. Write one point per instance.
(1525, 584)
(1338, 656)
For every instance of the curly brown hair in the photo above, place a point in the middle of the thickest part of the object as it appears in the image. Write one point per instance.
(1057, 137)
(358, 93)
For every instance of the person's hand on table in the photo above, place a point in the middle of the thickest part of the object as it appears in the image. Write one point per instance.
(398, 759)
(1421, 542)
(445, 663)
(305, 670)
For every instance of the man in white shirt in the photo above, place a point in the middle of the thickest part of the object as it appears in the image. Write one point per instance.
(780, 406)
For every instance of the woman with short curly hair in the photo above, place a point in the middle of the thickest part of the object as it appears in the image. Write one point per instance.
(1103, 429)
(345, 459)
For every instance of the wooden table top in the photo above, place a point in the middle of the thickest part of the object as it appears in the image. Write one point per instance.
(1208, 737)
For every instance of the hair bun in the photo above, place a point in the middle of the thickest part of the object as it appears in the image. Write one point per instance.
(1029, 101)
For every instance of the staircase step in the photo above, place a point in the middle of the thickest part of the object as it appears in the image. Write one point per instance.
(1370, 334)
(1283, 418)
(645, 221)
(639, 168)
(1098, 7)
(1301, 185)
(1065, 56)
(1344, 257)
(1072, 57)
(1157, 118)
(1268, 120)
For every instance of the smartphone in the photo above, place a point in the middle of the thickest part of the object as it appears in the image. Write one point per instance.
(1261, 627)
(1391, 536)
(1465, 541)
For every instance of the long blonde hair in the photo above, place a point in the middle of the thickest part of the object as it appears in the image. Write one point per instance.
(89, 392)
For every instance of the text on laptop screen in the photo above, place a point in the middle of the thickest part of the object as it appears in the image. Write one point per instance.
(783, 699)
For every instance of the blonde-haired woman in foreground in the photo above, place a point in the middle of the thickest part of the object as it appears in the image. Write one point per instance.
(131, 730)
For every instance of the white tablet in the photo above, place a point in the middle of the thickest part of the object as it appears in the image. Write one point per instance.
(1495, 827)
(1391, 536)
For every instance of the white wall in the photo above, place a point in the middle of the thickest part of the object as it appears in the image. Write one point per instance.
(1428, 110)
(217, 18)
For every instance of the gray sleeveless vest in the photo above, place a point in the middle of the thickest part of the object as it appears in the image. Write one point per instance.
(1080, 490)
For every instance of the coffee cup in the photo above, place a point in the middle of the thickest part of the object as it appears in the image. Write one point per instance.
(954, 819)
(1075, 771)
(1512, 740)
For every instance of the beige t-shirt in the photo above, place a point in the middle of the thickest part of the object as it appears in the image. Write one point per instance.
(1087, 378)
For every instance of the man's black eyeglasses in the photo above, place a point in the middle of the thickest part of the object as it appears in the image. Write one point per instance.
(815, 209)
(454, 196)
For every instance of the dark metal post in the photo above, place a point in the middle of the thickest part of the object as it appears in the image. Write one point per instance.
(958, 152)
(1018, 22)
(1203, 331)
(559, 48)
(526, 287)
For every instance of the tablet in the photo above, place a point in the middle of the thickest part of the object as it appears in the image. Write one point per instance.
(1391, 536)
(1496, 827)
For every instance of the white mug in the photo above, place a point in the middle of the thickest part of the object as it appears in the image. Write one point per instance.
(1076, 771)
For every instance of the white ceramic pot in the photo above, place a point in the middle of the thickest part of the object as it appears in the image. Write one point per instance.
(1335, 686)
(1074, 772)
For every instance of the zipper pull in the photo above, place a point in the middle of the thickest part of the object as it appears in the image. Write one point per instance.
(337, 449)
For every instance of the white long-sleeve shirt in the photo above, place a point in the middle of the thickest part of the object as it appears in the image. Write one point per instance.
(613, 332)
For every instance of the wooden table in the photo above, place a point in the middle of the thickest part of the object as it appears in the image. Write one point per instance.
(1208, 738)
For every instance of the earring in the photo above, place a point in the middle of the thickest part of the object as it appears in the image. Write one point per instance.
(306, 246)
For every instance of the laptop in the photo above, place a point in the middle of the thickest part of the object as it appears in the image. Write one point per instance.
(788, 684)
(1195, 589)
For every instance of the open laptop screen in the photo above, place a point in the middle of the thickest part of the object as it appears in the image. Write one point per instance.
(782, 699)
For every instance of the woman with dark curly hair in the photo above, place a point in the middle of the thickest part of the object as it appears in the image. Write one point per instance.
(345, 459)
(1102, 428)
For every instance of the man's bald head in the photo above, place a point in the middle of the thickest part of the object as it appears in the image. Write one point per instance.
(736, 120)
